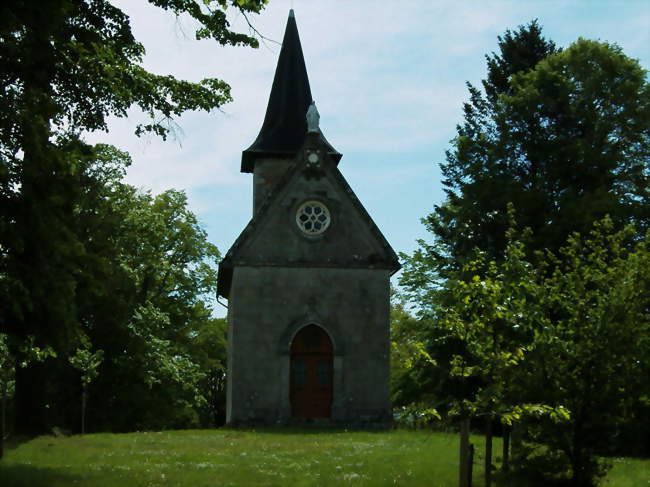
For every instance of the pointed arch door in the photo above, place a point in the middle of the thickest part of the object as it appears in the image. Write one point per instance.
(311, 373)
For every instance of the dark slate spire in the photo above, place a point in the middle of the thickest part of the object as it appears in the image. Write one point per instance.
(285, 125)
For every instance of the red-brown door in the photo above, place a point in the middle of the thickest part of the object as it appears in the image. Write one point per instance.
(311, 374)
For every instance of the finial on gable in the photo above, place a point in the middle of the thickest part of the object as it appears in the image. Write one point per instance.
(313, 119)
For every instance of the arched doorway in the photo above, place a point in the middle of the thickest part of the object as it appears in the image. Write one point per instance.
(311, 373)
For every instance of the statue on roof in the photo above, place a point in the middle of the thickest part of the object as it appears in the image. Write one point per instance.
(313, 119)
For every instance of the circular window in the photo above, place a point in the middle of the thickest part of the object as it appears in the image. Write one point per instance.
(313, 217)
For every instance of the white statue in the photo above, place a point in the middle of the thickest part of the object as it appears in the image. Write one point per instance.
(312, 119)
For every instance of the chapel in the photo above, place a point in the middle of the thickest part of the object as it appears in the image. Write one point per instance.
(307, 280)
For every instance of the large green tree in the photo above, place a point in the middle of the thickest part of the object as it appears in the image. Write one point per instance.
(479, 176)
(65, 66)
(144, 300)
(146, 282)
(565, 139)
(474, 214)
(563, 136)
(581, 317)
(591, 346)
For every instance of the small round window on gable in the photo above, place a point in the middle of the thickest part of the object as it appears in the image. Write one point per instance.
(313, 217)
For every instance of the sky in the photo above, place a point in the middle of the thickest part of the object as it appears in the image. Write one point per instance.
(389, 79)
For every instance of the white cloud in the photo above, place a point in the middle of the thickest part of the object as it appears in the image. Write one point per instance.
(354, 51)
(389, 80)
(388, 77)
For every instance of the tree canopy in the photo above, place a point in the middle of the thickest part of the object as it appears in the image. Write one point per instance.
(563, 338)
(146, 352)
(561, 139)
(66, 65)
(562, 135)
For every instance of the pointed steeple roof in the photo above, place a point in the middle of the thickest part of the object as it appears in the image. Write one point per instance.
(285, 125)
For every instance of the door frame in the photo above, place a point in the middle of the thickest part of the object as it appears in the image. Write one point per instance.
(312, 398)
(337, 411)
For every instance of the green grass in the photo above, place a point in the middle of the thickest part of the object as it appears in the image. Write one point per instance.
(254, 458)
(628, 472)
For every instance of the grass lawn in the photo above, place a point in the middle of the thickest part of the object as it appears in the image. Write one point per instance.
(255, 458)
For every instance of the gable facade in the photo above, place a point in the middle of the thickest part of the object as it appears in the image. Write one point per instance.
(307, 284)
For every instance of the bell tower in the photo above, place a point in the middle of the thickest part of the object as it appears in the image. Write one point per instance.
(307, 281)
(284, 127)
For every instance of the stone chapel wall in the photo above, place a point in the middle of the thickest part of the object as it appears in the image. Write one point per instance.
(352, 305)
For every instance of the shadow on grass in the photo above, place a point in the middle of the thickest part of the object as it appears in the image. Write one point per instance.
(13, 442)
(29, 476)
(295, 430)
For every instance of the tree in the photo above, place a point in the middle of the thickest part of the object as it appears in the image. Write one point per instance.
(474, 215)
(408, 354)
(144, 299)
(593, 106)
(7, 373)
(563, 137)
(66, 66)
(146, 282)
(87, 364)
(576, 323)
(479, 180)
(492, 312)
(565, 140)
(592, 346)
(209, 349)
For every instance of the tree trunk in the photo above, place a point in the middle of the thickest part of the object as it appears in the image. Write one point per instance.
(581, 475)
(83, 411)
(577, 478)
(30, 400)
(488, 452)
(517, 432)
(3, 431)
(505, 465)
(464, 470)
(580, 457)
(4, 410)
(39, 261)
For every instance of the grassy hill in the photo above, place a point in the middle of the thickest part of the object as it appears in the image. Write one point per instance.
(254, 458)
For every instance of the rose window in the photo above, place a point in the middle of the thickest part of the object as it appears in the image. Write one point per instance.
(313, 217)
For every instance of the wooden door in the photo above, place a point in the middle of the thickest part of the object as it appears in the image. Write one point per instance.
(311, 373)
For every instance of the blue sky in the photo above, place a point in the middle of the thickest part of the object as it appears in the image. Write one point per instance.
(388, 79)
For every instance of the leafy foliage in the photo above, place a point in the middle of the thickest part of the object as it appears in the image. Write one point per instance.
(408, 357)
(81, 60)
(592, 350)
(146, 301)
(87, 363)
(565, 140)
(66, 66)
(520, 325)
(577, 323)
(145, 284)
